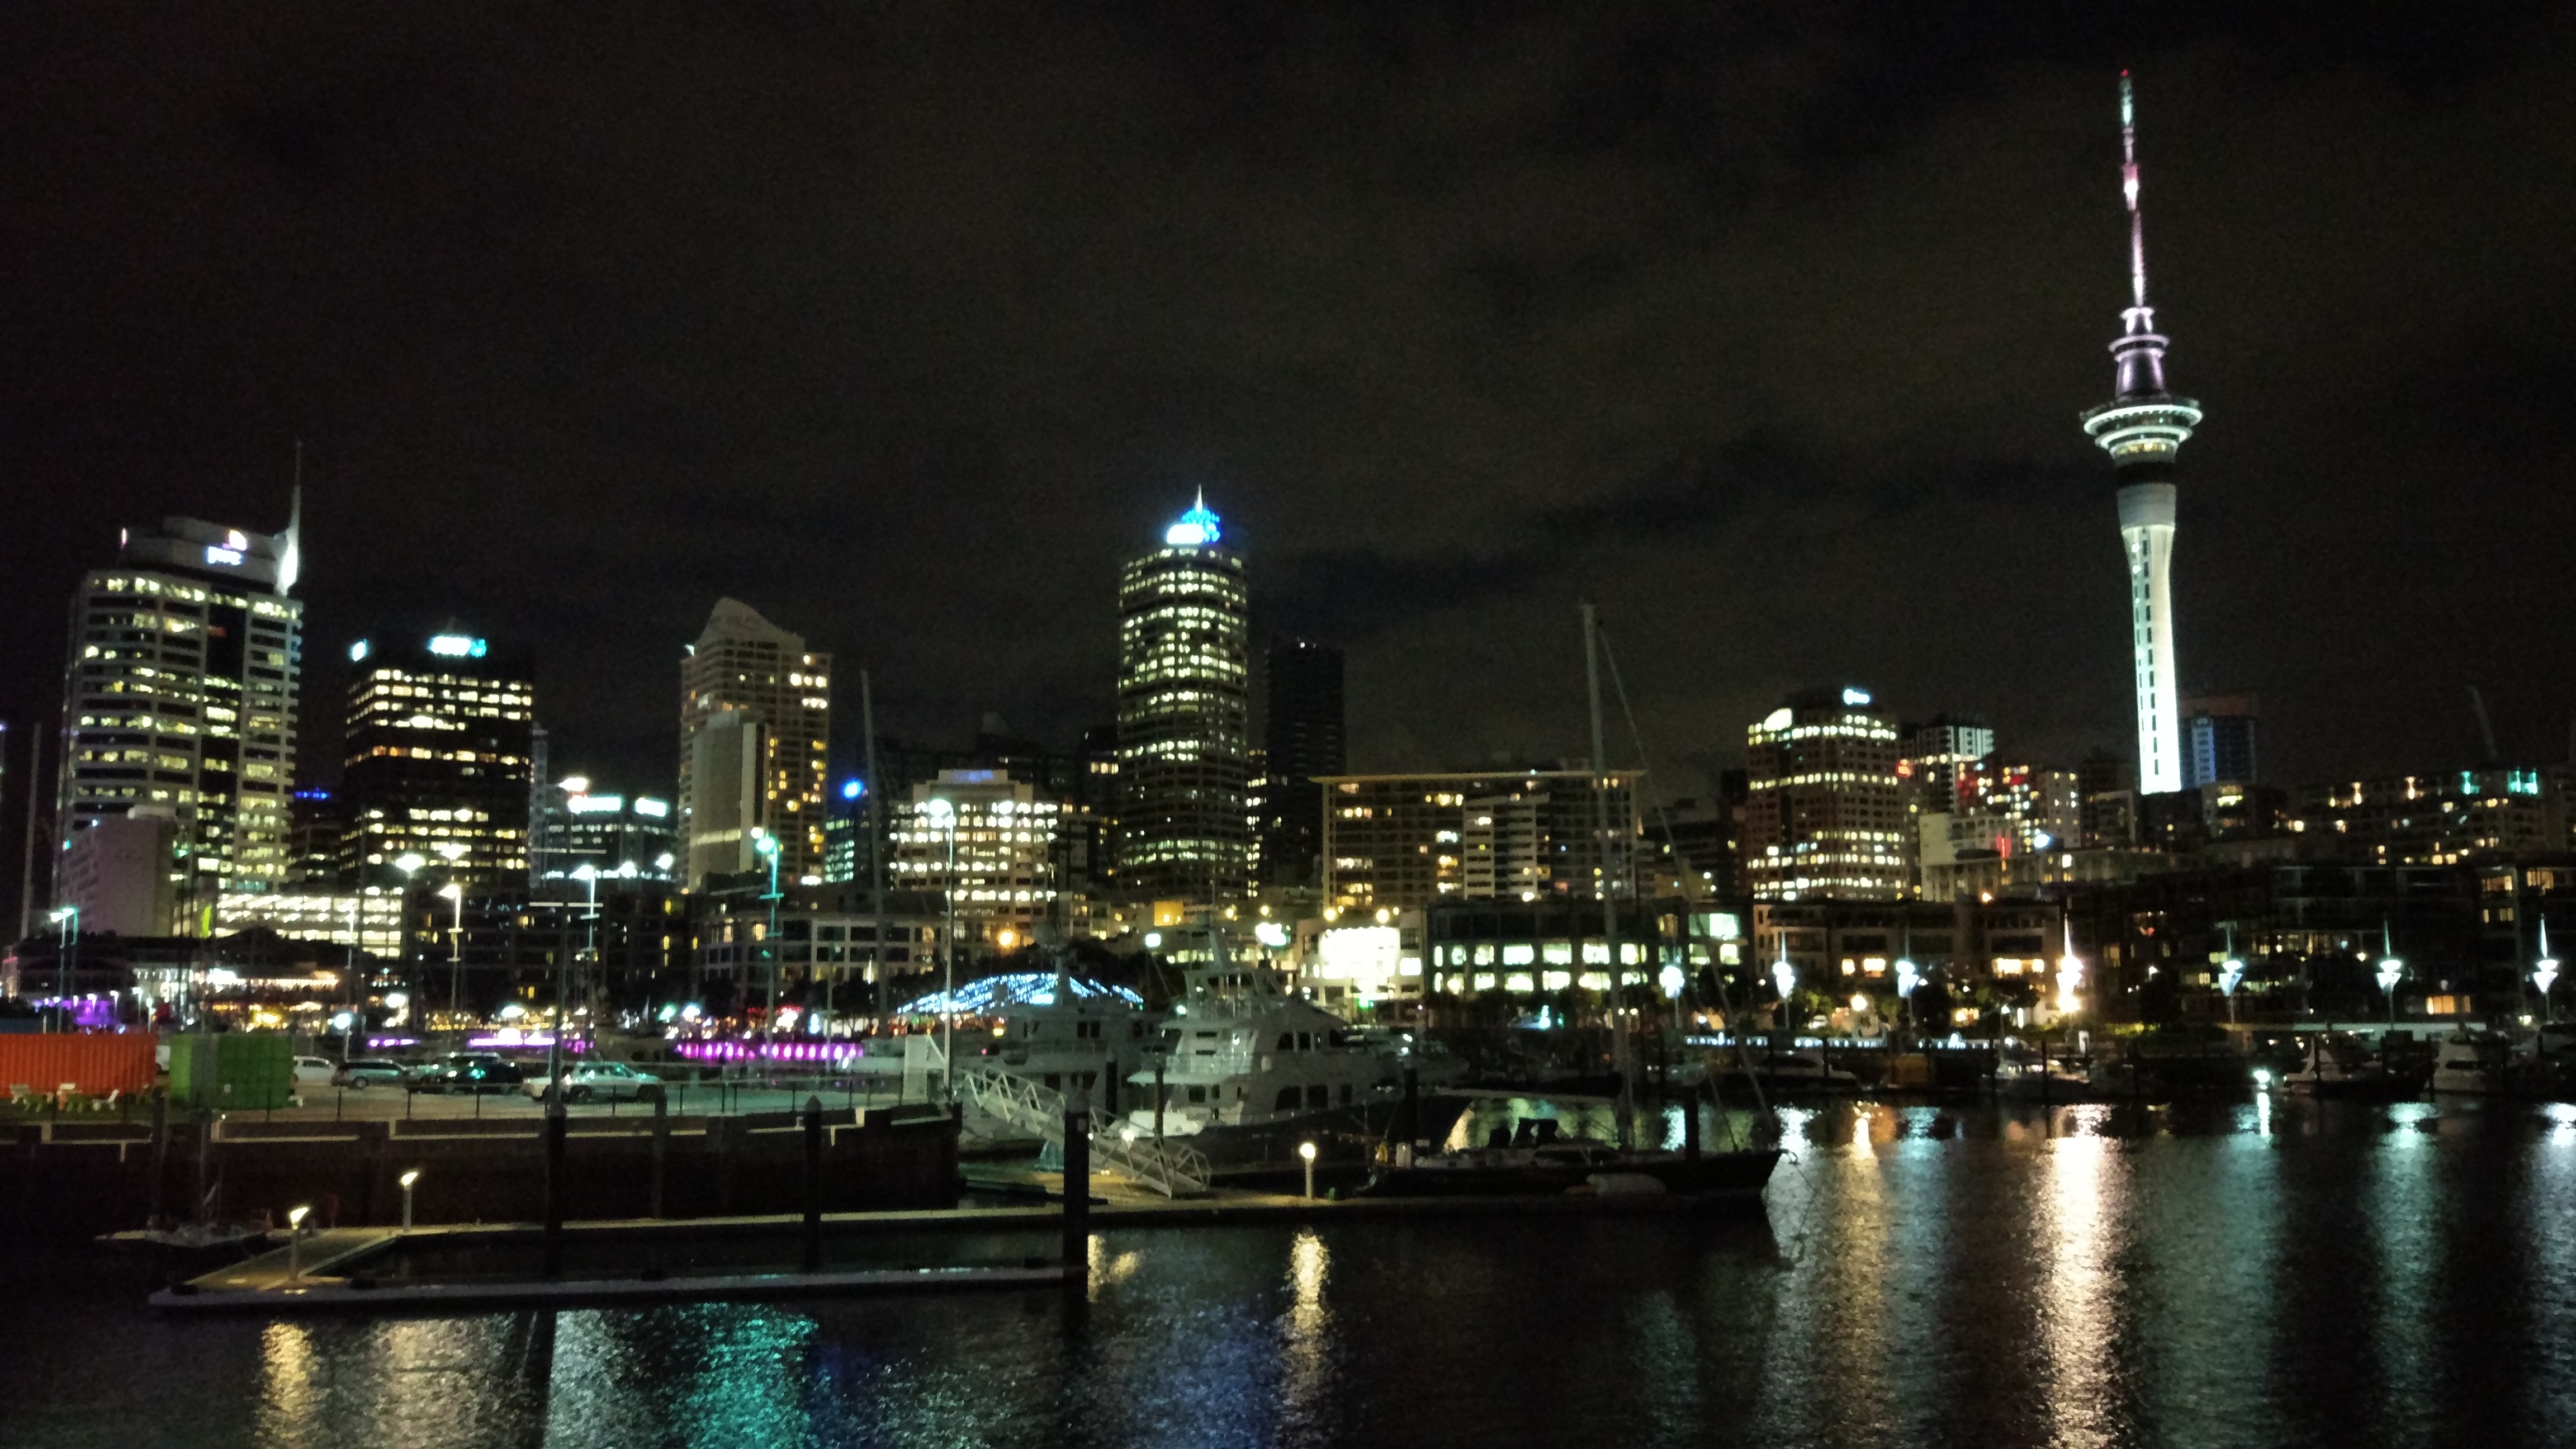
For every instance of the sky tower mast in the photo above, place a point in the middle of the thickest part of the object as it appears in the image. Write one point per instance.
(2143, 427)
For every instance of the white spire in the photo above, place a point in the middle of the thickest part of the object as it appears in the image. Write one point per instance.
(290, 558)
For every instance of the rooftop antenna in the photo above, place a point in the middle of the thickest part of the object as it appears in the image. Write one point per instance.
(2129, 189)
(290, 558)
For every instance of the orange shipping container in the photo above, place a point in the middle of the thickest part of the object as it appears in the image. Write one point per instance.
(95, 1063)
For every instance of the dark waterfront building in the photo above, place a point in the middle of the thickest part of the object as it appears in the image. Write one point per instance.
(1305, 739)
(512, 945)
(1183, 707)
(438, 760)
(2218, 739)
(179, 700)
(2444, 817)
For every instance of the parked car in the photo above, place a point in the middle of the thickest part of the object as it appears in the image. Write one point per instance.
(313, 1071)
(595, 1081)
(467, 1072)
(368, 1072)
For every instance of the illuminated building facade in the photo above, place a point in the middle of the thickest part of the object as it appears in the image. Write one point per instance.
(2218, 739)
(1825, 812)
(184, 666)
(755, 729)
(1184, 757)
(610, 832)
(2143, 428)
(1404, 842)
(1004, 849)
(2453, 817)
(437, 761)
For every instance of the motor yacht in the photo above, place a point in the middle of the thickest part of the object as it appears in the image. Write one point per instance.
(2470, 1063)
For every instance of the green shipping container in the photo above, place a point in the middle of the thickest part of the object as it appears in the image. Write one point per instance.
(234, 1071)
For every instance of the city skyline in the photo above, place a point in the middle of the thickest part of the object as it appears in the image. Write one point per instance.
(2004, 600)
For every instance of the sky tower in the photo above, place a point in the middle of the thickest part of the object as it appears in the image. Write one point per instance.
(2142, 427)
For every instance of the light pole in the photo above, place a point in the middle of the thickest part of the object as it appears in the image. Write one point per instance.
(2231, 974)
(66, 954)
(945, 813)
(2070, 974)
(2544, 972)
(1908, 976)
(2391, 971)
(588, 875)
(768, 847)
(349, 988)
(409, 863)
(1306, 1150)
(409, 1180)
(295, 1242)
(454, 895)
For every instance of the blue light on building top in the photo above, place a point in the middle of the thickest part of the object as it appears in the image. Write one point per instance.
(1197, 528)
(852, 789)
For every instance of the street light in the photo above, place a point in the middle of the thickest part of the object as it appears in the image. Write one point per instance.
(2231, 974)
(944, 814)
(408, 1180)
(2391, 971)
(2070, 974)
(2544, 972)
(1908, 976)
(1306, 1150)
(454, 895)
(409, 863)
(767, 845)
(66, 951)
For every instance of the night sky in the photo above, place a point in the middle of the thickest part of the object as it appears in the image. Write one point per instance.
(1766, 326)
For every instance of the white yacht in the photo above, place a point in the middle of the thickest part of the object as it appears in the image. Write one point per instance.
(1251, 1071)
(2470, 1063)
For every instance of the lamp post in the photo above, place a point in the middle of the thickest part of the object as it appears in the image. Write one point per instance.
(2070, 974)
(2231, 974)
(409, 863)
(295, 1243)
(1908, 976)
(1306, 1150)
(454, 895)
(588, 875)
(2391, 971)
(66, 954)
(2544, 972)
(409, 1180)
(945, 814)
(767, 844)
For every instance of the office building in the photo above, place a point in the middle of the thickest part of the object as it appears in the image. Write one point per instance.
(1305, 739)
(1825, 811)
(1940, 754)
(181, 693)
(1183, 707)
(2143, 428)
(609, 831)
(755, 732)
(2218, 739)
(1404, 842)
(437, 759)
(2452, 817)
(119, 872)
(985, 841)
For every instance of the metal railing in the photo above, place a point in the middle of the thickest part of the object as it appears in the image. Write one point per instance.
(1160, 1164)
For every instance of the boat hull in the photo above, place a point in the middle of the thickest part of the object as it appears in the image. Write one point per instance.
(1340, 1134)
(1712, 1176)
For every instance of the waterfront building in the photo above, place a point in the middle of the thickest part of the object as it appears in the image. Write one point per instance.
(2218, 739)
(2143, 428)
(1938, 756)
(2106, 813)
(1357, 961)
(369, 919)
(1705, 837)
(827, 938)
(437, 759)
(119, 872)
(181, 690)
(1183, 710)
(1561, 943)
(609, 831)
(1404, 842)
(755, 732)
(2004, 809)
(986, 842)
(1305, 737)
(2444, 818)
(1825, 810)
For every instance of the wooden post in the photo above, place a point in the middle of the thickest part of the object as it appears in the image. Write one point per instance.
(661, 1150)
(813, 1184)
(1077, 1185)
(160, 1153)
(554, 1137)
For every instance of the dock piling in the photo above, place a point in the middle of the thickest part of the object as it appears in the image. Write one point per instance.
(813, 1184)
(661, 1151)
(1077, 1185)
(554, 1181)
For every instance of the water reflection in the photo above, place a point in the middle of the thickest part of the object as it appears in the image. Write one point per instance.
(2076, 1326)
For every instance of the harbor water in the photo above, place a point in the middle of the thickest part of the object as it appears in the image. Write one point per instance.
(2273, 1273)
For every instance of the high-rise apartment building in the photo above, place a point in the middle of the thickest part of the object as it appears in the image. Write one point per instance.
(1825, 812)
(1306, 738)
(1403, 842)
(437, 759)
(755, 729)
(2218, 739)
(986, 841)
(1183, 708)
(185, 660)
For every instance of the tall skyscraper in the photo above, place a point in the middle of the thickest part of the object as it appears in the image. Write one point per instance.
(2218, 730)
(2143, 428)
(1183, 707)
(755, 729)
(438, 759)
(1305, 736)
(1825, 811)
(180, 695)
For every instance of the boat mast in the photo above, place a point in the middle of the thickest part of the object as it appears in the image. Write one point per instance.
(1620, 1051)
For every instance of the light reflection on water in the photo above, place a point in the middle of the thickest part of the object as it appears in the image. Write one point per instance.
(2290, 1273)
